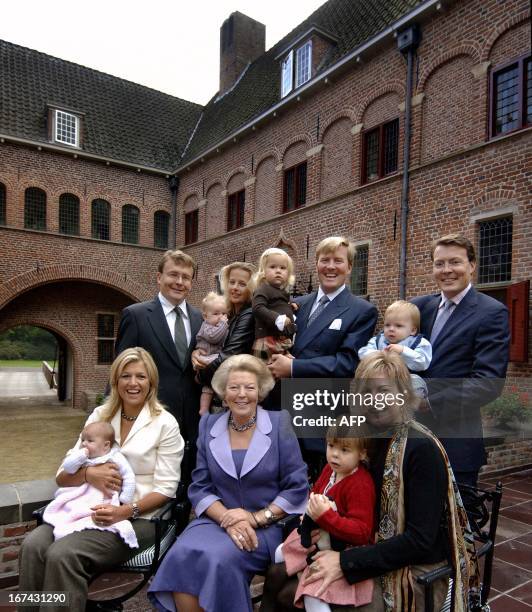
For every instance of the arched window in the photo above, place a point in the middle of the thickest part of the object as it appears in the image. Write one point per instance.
(161, 223)
(130, 224)
(69, 214)
(35, 209)
(2, 204)
(100, 219)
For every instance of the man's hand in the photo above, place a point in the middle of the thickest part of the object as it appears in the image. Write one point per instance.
(281, 366)
(106, 478)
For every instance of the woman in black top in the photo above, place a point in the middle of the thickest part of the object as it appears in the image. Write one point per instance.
(237, 287)
(420, 525)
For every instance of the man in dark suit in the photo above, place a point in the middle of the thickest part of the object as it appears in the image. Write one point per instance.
(470, 341)
(167, 328)
(332, 324)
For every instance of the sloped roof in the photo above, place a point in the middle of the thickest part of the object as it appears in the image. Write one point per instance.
(352, 21)
(121, 120)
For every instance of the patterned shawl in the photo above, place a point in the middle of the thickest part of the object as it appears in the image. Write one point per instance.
(397, 586)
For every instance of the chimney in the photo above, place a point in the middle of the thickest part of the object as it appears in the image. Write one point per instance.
(242, 40)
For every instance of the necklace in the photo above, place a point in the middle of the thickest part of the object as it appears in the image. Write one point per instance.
(248, 425)
(126, 417)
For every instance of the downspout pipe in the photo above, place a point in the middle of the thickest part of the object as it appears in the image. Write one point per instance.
(173, 183)
(407, 42)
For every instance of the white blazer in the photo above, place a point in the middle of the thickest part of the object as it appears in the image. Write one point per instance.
(154, 449)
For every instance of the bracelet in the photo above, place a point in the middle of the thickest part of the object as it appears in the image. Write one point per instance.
(255, 519)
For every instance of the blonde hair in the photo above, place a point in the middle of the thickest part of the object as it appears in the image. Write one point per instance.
(332, 243)
(260, 275)
(224, 281)
(384, 364)
(243, 363)
(209, 299)
(402, 306)
(179, 258)
(114, 401)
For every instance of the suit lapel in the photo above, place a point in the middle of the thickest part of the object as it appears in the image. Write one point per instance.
(429, 315)
(220, 445)
(461, 312)
(160, 328)
(331, 312)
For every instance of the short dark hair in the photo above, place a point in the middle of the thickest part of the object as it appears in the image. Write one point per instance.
(455, 240)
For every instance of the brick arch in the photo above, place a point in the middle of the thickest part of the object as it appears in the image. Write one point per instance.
(70, 272)
(190, 202)
(501, 193)
(229, 175)
(344, 113)
(211, 185)
(470, 49)
(507, 25)
(264, 156)
(54, 195)
(394, 86)
(294, 140)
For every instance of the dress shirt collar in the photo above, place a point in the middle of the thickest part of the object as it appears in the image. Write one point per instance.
(168, 307)
(456, 299)
(331, 296)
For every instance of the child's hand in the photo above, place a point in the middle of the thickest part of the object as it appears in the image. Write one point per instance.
(85, 451)
(295, 307)
(394, 348)
(317, 505)
(223, 318)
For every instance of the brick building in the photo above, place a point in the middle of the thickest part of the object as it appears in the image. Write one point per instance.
(304, 140)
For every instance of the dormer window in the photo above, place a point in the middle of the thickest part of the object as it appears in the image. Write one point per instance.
(298, 64)
(66, 128)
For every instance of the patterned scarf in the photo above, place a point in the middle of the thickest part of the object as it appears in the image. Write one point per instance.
(397, 586)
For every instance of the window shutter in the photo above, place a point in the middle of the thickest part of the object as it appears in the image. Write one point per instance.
(287, 78)
(517, 300)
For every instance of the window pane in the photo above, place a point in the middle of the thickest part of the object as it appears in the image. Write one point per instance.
(528, 92)
(105, 351)
(359, 275)
(507, 100)
(191, 227)
(495, 250)
(235, 210)
(66, 128)
(372, 155)
(35, 209)
(289, 189)
(161, 223)
(301, 177)
(106, 326)
(287, 74)
(100, 219)
(130, 224)
(391, 146)
(69, 214)
(2, 204)
(303, 63)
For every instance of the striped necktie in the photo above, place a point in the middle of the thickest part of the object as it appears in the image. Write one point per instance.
(180, 336)
(444, 312)
(324, 300)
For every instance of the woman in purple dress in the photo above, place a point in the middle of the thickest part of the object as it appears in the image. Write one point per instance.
(249, 474)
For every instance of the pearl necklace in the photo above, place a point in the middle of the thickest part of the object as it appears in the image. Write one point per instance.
(126, 417)
(248, 425)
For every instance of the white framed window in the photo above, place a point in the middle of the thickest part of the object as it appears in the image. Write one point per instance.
(303, 63)
(287, 74)
(66, 128)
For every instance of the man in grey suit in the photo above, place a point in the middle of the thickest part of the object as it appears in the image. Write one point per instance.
(167, 328)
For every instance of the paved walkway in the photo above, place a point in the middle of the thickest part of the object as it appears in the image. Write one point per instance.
(24, 383)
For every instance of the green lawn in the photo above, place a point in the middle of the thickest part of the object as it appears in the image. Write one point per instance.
(20, 363)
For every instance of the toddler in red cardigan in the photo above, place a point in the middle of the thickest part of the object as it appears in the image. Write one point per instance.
(342, 505)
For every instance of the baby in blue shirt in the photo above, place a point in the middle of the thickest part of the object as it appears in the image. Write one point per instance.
(400, 335)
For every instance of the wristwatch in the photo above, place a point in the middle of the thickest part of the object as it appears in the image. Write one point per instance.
(269, 516)
(135, 510)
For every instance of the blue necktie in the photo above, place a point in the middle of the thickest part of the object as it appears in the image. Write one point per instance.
(444, 312)
(324, 300)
